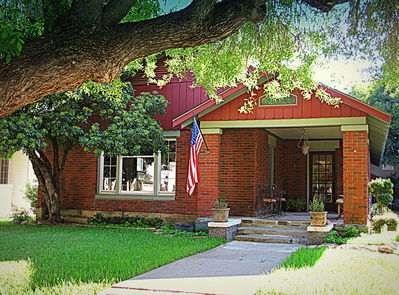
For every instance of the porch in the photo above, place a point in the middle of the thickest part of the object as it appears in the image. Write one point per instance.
(295, 163)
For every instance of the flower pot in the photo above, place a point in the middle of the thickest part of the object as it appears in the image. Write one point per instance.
(220, 215)
(318, 218)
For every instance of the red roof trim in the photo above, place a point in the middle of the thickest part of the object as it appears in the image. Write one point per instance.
(336, 93)
(202, 107)
(359, 105)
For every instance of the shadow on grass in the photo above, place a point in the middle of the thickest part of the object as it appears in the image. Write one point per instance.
(303, 257)
(60, 254)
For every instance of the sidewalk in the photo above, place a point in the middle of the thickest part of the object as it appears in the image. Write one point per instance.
(235, 268)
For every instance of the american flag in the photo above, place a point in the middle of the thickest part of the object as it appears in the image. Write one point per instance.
(193, 170)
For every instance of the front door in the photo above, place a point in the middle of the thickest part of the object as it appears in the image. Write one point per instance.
(322, 178)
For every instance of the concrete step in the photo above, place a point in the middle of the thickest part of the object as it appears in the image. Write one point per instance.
(273, 231)
(281, 239)
(254, 222)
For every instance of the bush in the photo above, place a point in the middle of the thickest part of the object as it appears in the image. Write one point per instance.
(133, 221)
(375, 210)
(295, 205)
(390, 220)
(22, 216)
(335, 237)
(382, 190)
(31, 194)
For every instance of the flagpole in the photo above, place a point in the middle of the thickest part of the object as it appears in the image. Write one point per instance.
(203, 138)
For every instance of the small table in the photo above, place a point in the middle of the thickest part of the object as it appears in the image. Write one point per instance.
(340, 203)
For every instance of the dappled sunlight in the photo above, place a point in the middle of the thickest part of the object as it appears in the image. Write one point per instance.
(16, 279)
(339, 271)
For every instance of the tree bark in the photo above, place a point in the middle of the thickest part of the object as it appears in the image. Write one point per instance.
(64, 60)
(77, 51)
(48, 174)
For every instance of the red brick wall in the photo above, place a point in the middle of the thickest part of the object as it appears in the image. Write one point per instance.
(290, 169)
(355, 176)
(208, 188)
(79, 183)
(243, 168)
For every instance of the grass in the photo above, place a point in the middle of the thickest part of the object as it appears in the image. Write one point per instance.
(338, 271)
(303, 257)
(76, 260)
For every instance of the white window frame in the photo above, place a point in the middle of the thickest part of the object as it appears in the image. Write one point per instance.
(4, 171)
(157, 194)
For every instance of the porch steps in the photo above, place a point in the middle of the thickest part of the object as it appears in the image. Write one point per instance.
(271, 239)
(272, 231)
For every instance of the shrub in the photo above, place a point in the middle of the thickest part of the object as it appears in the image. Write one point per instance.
(375, 210)
(342, 238)
(31, 194)
(133, 221)
(388, 219)
(22, 216)
(382, 190)
(295, 205)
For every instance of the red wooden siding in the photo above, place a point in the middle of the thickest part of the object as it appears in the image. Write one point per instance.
(312, 108)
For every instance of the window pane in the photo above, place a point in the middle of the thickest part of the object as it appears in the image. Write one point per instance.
(109, 174)
(138, 174)
(4, 171)
(168, 169)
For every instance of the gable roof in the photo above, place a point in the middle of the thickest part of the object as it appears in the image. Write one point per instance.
(377, 121)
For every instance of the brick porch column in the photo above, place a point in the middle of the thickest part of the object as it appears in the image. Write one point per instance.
(209, 161)
(355, 173)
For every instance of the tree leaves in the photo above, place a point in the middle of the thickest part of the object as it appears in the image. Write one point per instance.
(98, 117)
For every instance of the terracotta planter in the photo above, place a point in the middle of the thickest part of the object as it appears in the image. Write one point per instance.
(318, 218)
(220, 215)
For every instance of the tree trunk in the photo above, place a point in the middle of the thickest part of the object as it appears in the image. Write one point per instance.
(49, 183)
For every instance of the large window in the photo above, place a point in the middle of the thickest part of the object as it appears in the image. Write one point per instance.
(4, 163)
(147, 174)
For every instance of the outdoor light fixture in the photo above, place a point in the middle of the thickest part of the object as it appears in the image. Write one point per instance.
(305, 143)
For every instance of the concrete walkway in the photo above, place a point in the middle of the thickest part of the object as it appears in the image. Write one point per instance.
(233, 268)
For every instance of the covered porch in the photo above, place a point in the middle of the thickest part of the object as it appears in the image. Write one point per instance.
(250, 160)
(250, 154)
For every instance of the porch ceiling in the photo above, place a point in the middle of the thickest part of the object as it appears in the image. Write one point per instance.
(330, 132)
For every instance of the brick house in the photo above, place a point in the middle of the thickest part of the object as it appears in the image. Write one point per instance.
(247, 155)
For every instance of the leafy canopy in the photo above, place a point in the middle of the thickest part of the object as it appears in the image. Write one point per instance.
(386, 100)
(95, 117)
(289, 41)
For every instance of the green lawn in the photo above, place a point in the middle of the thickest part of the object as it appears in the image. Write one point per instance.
(75, 260)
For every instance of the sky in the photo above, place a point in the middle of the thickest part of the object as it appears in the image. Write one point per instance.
(340, 74)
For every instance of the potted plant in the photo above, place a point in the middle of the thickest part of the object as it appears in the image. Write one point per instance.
(220, 212)
(318, 217)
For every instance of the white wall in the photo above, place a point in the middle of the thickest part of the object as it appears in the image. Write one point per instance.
(12, 195)
(5, 200)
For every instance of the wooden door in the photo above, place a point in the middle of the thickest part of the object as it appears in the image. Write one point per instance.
(322, 173)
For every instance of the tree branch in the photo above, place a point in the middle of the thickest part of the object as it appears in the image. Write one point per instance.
(115, 11)
(324, 5)
(84, 14)
(59, 62)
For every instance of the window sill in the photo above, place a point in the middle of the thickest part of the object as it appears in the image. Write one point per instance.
(135, 197)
